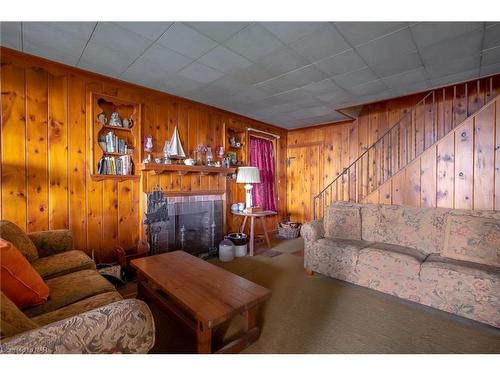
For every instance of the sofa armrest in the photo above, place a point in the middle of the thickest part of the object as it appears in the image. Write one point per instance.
(51, 242)
(313, 230)
(125, 326)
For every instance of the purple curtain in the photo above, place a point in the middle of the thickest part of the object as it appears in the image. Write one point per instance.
(262, 157)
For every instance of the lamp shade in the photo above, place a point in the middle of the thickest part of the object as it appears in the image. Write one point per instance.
(248, 175)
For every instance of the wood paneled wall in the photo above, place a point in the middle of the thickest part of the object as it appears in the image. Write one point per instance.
(343, 142)
(46, 153)
(462, 170)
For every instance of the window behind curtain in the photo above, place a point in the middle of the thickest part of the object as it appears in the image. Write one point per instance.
(262, 157)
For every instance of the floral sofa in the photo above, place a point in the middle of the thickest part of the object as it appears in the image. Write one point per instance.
(443, 258)
(83, 314)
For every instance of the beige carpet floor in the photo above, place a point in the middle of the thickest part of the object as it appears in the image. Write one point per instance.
(318, 314)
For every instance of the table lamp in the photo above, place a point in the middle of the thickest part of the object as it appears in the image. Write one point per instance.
(248, 176)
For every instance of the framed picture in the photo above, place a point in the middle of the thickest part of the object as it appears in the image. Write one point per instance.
(232, 157)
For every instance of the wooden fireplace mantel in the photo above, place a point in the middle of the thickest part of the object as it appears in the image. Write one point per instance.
(185, 169)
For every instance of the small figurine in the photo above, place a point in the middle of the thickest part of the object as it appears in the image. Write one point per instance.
(115, 120)
(148, 147)
(127, 123)
(101, 117)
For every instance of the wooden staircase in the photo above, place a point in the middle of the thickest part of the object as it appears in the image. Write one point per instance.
(424, 161)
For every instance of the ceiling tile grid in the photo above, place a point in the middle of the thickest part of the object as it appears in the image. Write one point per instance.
(289, 74)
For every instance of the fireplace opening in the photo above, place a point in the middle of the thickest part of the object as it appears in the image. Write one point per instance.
(193, 224)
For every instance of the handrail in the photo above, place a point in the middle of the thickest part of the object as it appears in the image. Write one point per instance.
(402, 152)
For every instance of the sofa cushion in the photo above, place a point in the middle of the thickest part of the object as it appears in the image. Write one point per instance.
(16, 236)
(417, 254)
(474, 239)
(79, 307)
(71, 288)
(13, 320)
(334, 257)
(63, 263)
(464, 288)
(389, 269)
(343, 221)
(19, 281)
(419, 228)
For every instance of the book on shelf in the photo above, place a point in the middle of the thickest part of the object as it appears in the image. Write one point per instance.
(118, 166)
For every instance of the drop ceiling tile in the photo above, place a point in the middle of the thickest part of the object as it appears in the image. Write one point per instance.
(457, 77)
(178, 85)
(282, 61)
(490, 69)
(368, 88)
(81, 29)
(320, 110)
(411, 88)
(335, 98)
(491, 56)
(322, 87)
(50, 53)
(289, 32)
(10, 35)
(159, 57)
(200, 73)
(250, 94)
(218, 31)
(254, 42)
(451, 49)
(322, 43)
(69, 38)
(296, 78)
(401, 80)
(253, 74)
(492, 36)
(341, 63)
(355, 78)
(358, 33)
(452, 67)
(148, 30)
(388, 47)
(143, 75)
(224, 60)
(104, 60)
(402, 63)
(186, 41)
(228, 84)
(112, 36)
(429, 33)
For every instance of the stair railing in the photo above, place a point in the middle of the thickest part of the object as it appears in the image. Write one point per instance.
(398, 146)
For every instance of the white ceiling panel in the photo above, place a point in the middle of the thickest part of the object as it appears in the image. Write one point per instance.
(492, 36)
(269, 70)
(11, 35)
(289, 32)
(322, 43)
(254, 42)
(117, 38)
(356, 35)
(224, 60)
(148, 30)
(429, 33)
(387, 47)
(218, 31)
(186, 41)
(341, 63)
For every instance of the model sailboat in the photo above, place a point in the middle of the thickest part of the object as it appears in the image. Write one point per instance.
(176, 150)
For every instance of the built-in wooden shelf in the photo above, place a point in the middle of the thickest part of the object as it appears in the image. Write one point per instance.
(116, 128)
(114, 153)
(185, 169)
(100, 177)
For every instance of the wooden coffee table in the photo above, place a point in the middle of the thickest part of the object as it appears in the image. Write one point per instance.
(201, 295)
